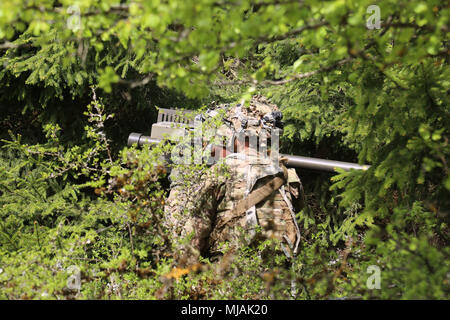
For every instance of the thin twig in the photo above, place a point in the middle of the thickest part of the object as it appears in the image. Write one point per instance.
(131, 239)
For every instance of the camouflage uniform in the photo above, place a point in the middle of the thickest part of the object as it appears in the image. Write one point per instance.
(205, 210)
(190, 208)
(275, 214)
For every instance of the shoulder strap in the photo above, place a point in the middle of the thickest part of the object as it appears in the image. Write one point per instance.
(255, 197)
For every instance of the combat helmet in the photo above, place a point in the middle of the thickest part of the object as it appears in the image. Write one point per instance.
(260, 118)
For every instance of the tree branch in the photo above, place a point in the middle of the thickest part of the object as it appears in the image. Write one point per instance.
(292, 33)
(310, 73)
(292, 77)
(10, 45)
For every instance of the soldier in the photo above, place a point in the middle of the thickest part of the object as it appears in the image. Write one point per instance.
(247, 195)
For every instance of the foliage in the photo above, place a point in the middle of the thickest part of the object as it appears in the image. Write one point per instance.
(71, 195)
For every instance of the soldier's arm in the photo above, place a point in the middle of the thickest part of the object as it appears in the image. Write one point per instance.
(191, 209)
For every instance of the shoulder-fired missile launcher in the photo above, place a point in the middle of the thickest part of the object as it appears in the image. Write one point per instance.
(173, 123)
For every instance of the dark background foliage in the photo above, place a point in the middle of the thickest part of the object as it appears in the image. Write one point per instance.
(77, 205)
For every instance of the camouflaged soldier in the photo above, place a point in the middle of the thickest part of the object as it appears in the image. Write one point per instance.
(247, 195)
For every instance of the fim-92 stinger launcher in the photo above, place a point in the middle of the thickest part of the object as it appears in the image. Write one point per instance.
(172, 123)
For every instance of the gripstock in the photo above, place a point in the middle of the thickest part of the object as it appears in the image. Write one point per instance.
(292, 160)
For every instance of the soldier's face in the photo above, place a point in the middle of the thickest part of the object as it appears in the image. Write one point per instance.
(241, 146)
(220, 151)
(244, 145)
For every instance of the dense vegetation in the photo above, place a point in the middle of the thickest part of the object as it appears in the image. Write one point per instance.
(76, 205)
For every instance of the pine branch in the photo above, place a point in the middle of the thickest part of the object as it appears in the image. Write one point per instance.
(10, 45)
